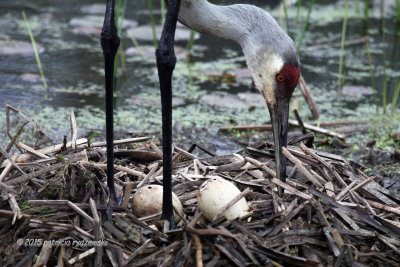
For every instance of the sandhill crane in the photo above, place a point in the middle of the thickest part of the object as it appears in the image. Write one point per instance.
(270, 55)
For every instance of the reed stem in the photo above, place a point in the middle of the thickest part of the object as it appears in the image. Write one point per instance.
(371, 74)
(344, 27)
(305, 26)
(396, 96)
(153, 23)
(35, 50)
(384, 86)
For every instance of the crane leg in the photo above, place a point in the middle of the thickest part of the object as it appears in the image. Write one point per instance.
(109, 44)
(166, 61)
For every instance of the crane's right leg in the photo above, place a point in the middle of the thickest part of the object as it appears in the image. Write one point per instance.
(166, 61)
(109, 44)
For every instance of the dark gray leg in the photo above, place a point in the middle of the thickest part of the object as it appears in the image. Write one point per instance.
(109, 44)
(165, 64)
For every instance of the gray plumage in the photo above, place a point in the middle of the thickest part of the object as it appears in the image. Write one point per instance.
(265, 45)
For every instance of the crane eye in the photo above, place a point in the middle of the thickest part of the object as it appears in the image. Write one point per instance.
(280, 77)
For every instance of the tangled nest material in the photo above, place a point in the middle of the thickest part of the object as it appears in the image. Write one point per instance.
(54, 209)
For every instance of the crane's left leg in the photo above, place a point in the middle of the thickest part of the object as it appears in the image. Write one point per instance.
(166, 61)
(109, 44)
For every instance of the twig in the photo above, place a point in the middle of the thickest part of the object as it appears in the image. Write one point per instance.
(199, 251)
(222, 210)
(82, 255)
(290, 189)
(74, 130)
(325, 163)
(80, 211)
(31, 150)
(306, 93)
(116, 167)
(122, 141)
(301, 167)
(318, 130)
(8, 168)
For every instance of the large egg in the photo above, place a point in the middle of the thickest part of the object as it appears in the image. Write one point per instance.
(148, 201)
(216, 194)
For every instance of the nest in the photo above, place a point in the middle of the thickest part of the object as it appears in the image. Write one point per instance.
(55, 209)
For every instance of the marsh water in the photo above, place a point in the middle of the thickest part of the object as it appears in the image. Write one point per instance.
(211, 91)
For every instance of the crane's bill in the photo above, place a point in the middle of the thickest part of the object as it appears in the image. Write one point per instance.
(279, 119)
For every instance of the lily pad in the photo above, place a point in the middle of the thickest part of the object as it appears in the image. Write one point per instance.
(14, 47)
(353, 90)
(148, 51)
(145, 33)
(92, 24)
(240, 101)
(31, 77)
(154, 102)
(98, 9)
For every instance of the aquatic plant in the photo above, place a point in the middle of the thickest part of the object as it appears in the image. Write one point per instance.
(367, 4)
(163, 10)
(298, 12)
(357, 6)
(120, 8)
(35, 50)
(398, 9)
(344, 27)
(395, 96)
(305, 24)
(153, 23)
(286, 17)
(371, 73)
(384, 85)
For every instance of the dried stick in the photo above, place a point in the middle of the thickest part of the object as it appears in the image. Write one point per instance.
(122, 141)
(199, 251)
(116, 167)
(44, 255)
(383, 207)
(306, 93)
(325, 163)
(11, 144)
(80, 211)
(74, 130)
(51, 149)
(8, 168)
(156, 149)
(319, 130)
(260, 165)
(222, 210)
(290, 189)
(185, 153)
(82, 255)
(31, 150)
(301, 167)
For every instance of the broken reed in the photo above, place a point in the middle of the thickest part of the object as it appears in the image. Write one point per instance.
(344, 26)
(120, 8)
(35, 50)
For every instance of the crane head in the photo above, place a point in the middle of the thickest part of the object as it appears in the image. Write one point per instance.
(276, 75)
